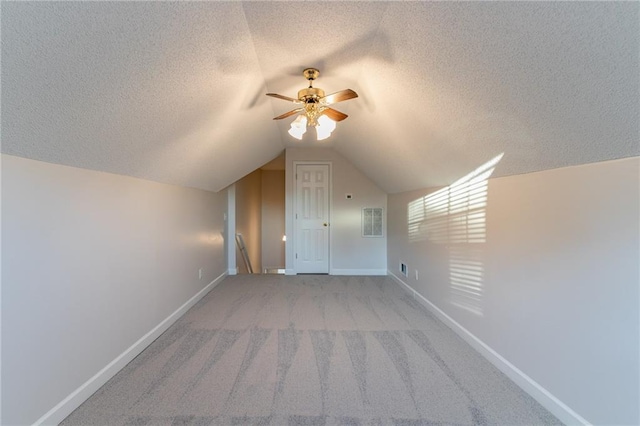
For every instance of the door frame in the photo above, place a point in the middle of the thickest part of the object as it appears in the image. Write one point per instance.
(295, 204)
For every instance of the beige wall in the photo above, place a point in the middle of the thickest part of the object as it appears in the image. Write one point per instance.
(249, 219)
(273, 219)
(556, 281)
(350, 253)
(91, 263)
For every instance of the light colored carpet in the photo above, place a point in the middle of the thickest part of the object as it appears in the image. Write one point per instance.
(309, 350)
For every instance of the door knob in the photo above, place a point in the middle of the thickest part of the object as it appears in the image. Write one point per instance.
(325, 224)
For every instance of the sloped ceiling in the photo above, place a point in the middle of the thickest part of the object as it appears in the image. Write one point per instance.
(174, 91)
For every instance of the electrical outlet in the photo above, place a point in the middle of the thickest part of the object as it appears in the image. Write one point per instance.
(416, 275)
(200, 273)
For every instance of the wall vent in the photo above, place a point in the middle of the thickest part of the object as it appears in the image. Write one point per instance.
(403, 269)
(372, 222)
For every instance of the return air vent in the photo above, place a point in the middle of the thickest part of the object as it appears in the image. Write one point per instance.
(403, 269)
(372, 222)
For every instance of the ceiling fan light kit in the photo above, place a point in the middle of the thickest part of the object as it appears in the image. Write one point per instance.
(298, 127)
(314, 110)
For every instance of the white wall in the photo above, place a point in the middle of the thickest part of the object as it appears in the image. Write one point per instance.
(273, 215)
(249, 220)
(559, 283)
(91, 263)
(350, 253)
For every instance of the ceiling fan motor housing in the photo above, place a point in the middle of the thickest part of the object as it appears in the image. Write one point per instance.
(310, 94)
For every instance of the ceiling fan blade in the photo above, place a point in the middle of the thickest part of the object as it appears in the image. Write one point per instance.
(335, 115)
(340, 96)
(288, 114)
(285, 98)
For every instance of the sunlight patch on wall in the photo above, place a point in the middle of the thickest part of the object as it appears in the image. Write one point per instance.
(466, 274)
(456, 216)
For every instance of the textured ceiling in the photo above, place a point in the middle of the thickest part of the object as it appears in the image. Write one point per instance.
(174, 91)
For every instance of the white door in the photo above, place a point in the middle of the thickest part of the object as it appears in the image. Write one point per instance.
(312, 218)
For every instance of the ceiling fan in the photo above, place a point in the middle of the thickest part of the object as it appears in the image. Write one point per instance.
(314, 109)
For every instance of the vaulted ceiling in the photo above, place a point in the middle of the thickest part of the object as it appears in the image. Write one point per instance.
(174, 91)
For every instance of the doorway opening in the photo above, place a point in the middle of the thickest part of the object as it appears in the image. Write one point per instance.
(260, 219)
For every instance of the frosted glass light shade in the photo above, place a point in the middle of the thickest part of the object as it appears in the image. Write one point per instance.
(326, 123)
(321, 133)
(298, 127)
(325, 127)
(297, 133)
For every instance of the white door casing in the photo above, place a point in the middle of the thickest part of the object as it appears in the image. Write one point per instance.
(311, 218)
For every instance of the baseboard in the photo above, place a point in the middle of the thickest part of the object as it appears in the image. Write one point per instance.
(77, 397)
(289, 272)
(526, 383)
(358, 272)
